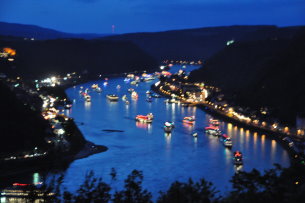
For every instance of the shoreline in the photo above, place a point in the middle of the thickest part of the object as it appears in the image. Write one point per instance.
(294, 155)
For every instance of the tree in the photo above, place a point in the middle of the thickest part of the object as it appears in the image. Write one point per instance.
(202, 192)
(133, 192)
(92, 190)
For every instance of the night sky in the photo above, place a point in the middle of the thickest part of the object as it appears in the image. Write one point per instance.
(97, 16)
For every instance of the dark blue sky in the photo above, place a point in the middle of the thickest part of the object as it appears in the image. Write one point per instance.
(97, 16)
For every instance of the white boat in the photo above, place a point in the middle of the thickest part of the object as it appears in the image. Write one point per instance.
(168, 127)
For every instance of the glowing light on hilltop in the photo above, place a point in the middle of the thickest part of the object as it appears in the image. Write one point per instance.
(10, 51)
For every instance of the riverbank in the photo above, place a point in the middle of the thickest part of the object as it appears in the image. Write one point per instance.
(295, 151)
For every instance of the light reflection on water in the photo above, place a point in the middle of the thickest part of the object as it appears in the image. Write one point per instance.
(163, 158)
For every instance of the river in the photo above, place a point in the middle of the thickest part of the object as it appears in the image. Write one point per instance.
(162, 158)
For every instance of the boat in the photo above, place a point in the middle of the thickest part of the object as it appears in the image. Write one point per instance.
(112, 97)
(105, 83)
(185, 104)
(195, 134)
(98, 90)
(94, 86)
(130, 90)
(168, 127)
(149, 99)
(67, 106)
(212, 130)
(227, 142)
(145, 119)
(126, 102)
(124, 98)
(88, 98)
(127, 80)
(118, 86)
(148, 92)
(155, 95)
(189, 120)
(134, 82)
(134, 95)
(130, 76)
(214, 122)
(238, 158)
(171, 101)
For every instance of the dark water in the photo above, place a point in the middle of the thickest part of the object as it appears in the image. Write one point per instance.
(163, 159)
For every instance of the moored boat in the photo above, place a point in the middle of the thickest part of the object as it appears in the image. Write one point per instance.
(194, 134)
(214, 122)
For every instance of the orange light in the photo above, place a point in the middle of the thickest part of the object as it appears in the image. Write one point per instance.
(10, 51)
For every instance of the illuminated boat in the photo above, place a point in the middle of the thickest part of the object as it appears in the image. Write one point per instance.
(148, 92)
(134, 95)
(195, 134)
(126, 102)
(227, 142)
(171, 101)
(130, 75)
(105, 83)
(189, 120)
(124, 98)
(88, 98)
(145, 119)
(130, 90)
(238, 158)
(68, 106)
(155, 95)
(118, 86)
(94, 86)
(212, 130)
(127, 80)
(168, 127)
(112, 97)
(98, 90)
(135, 82)
(214, 122)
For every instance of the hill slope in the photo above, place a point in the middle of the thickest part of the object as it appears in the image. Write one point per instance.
(261, 73)
(42, 58)
(36, 32)
(194, 44)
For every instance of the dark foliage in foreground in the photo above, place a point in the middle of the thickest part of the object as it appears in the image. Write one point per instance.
(275, 185)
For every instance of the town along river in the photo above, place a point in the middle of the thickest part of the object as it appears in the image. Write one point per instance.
(162, 158)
